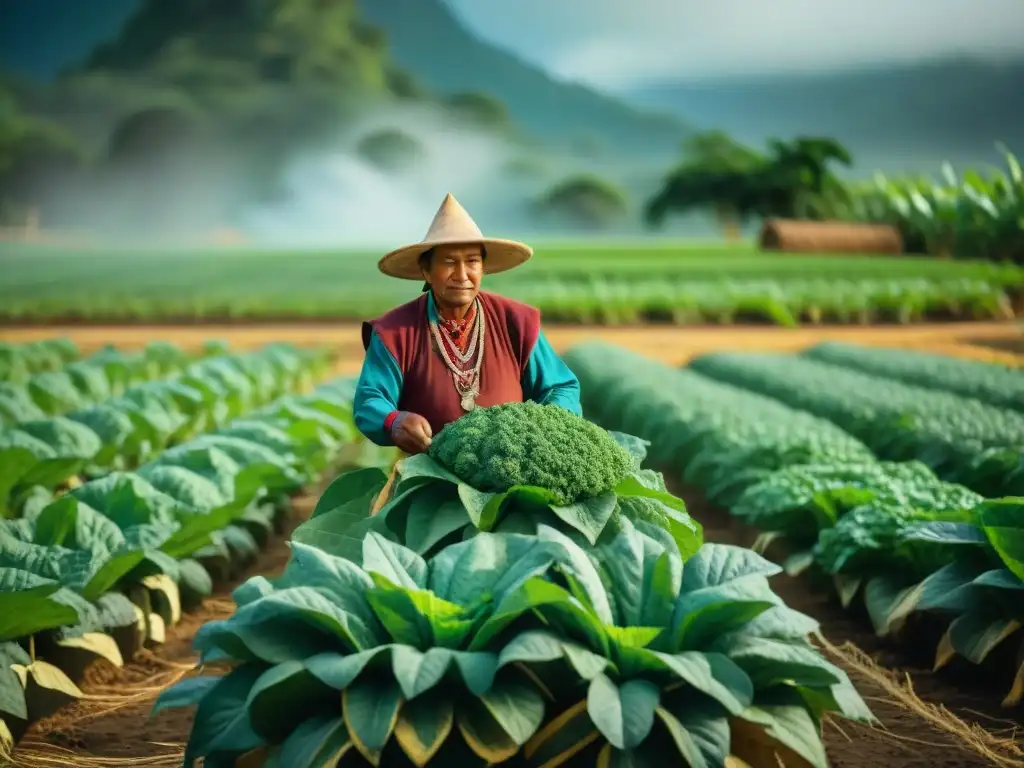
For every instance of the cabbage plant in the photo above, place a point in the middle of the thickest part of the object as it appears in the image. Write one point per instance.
(513, 649)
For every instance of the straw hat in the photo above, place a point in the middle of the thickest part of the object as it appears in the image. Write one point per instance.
(452, 225)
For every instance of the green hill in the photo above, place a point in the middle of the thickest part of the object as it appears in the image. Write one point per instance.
(426, 38)
(328, 44)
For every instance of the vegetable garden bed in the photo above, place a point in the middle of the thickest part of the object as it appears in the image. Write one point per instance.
(541, 616)
(904, 692)
(431, 510)
(581, 283)
(104, 567)
(891, 535)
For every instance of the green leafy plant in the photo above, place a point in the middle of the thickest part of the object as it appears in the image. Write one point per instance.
(113, 562)
(891, 533)
(961, 439)
(513, 648)
(584, 488)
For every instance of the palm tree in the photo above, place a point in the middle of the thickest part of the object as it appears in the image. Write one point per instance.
(801, 165)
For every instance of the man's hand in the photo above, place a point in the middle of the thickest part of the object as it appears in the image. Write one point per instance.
(411, 432)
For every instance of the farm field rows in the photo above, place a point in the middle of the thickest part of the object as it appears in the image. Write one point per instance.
(120, 512)
(611, 285)
(874, 510)
(93, 728)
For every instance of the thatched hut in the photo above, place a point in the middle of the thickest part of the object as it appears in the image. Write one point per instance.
(801, 236)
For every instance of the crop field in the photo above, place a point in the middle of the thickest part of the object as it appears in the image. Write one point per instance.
(571, 283)
(891, 478)
(150, 490)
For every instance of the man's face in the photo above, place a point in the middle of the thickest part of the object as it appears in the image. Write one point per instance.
(454, 274)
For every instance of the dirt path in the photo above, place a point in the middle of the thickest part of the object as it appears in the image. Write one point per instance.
(671, 344)
(908, 736)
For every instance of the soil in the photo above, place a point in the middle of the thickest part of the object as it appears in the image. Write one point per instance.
(1012, 344)
(903, 737)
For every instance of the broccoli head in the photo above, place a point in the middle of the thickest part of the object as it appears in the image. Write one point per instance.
(494, 449)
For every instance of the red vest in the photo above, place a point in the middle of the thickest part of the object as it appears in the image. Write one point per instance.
(512, 329)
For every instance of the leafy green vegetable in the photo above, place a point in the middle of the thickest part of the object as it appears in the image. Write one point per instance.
(898, 421)
(512, 641)
(527, 444)
(430, 507)
(998, 385)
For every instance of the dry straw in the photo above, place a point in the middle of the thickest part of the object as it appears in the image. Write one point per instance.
(1002, 751)
(799, 236)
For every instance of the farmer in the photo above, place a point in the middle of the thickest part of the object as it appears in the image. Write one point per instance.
(454, 348)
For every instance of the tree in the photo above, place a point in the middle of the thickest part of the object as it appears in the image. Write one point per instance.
(478, 110)
(716, 150)
(524, 168)
(585, 201)
(164, 173)
(391, 150)
(737, 183)
(404, 85)
(802, 165)
(733, 196)
(716, 174)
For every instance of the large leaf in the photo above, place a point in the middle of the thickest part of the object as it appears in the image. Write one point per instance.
(128, 500)
(12, 693)
(370, 709)
(423, 726)
(71, 523)
(698, 727)
(286, 625)
(1003, 522)
(111, 425)
(779, 722)
(283, 697)
(26, 607)
(351, 486)
(15, 464)
(320, 742)
(341, 531)
(417, 617)
(397, 564)
(623, 714)
(222, 720)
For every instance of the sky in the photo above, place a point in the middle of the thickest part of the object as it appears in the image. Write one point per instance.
(618, 44)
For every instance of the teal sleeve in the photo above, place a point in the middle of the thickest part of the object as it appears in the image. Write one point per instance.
(548, 380)
(377, 392)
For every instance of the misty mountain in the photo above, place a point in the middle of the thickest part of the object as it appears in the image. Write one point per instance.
(898, 117)
(423, 37)
(427, 38)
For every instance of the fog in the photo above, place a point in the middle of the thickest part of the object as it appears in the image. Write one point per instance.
(331, 196)
(335, 196)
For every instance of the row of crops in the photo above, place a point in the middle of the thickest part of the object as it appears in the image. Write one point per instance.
(895, 475)
(970, 215)
(609, 285)
(787, 303)
(131, 483)
(528, 595)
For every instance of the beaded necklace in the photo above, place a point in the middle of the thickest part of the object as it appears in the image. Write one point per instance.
(458, 353)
